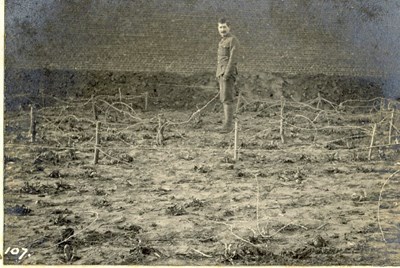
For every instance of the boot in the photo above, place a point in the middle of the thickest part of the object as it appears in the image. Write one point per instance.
(228, 118)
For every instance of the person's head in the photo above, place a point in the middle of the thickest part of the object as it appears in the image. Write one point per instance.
(223, 27)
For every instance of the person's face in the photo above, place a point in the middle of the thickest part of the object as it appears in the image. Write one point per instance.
(223, 29)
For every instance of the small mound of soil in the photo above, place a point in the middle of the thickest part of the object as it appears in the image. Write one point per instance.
(18, 210)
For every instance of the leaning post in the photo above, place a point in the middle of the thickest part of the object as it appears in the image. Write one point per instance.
(235, 152)
(96, 146)
(33, 125)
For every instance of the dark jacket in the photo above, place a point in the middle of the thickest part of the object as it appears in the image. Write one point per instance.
(227, 56)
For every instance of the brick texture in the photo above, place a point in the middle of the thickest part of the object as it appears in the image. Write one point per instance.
(298, 36)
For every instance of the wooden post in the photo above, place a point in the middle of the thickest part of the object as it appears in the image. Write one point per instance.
(372, 142)
(389, 105)
(381, 109)
(391, 127)
(319, 100)
(235, 152)
(238, 102)
(94, 108)
(146, 100)
(42, 96)
(96, 147)
(120, 94)
(33, 125)
(282, 130)
(160, 131)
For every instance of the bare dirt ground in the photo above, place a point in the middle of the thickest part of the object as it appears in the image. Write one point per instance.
(180, 198)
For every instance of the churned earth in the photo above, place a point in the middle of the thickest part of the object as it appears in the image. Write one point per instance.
(167, 191)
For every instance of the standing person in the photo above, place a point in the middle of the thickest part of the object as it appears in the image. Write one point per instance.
(227, 71)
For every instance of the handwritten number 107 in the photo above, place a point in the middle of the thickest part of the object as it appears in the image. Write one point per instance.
(16, 251)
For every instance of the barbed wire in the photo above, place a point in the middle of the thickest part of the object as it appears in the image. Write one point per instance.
(194, 148)
(105, 148)
(131, 113)
(27, 95)
(327, 127)
(199, 110)
(33, 145)
(112, 105)
(152, 120)
(360, 100)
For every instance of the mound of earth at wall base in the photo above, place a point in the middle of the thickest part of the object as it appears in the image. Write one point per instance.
(172, 90)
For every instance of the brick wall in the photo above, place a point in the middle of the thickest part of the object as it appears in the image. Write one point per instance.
(293, 36)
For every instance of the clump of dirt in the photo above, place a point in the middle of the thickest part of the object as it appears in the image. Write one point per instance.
(66, 237)
(101, 203)
(55, 174)
(202, 169)
(61, 217)
(195, 204)
(47, 157)
(176, 210)
(93, 237)
(132, 228)
(38, 188)
(18, 210)
(244, 254)
(142, 254)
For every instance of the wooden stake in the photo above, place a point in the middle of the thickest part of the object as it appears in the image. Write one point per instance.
(42, 96)
(146, 100)
(282, 130)
(238, 102)
(94, 108)
(391, 127)
(372, 142)
(33, 125)
(120, 94)
(96, 147)
(381, 109)
(235, 152)
(319, 100)
(160, 132)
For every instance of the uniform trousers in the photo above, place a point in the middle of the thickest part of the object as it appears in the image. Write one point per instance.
(226, 89)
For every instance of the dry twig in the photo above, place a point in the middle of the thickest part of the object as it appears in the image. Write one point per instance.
(80, 231)
(201, 253)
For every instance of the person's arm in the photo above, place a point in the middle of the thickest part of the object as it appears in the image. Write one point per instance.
(233, 58)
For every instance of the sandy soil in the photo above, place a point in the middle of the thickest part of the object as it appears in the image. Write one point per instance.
(315, 199)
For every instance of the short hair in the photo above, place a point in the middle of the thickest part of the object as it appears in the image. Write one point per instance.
(224, 21)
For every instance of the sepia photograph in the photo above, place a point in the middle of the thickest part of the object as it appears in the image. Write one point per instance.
(201, 133)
